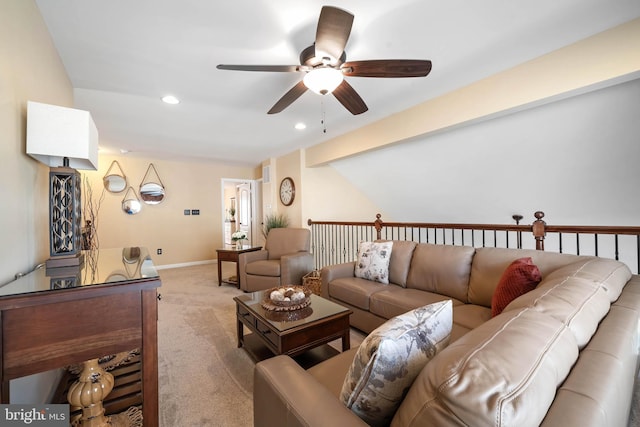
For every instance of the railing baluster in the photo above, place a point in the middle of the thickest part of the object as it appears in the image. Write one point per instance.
(560, 242)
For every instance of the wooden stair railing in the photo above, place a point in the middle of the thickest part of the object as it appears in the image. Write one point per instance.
(335, 242)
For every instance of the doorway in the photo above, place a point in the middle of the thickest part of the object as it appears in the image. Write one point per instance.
(241, 209)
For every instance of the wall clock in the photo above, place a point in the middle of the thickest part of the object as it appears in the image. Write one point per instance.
(287, 191)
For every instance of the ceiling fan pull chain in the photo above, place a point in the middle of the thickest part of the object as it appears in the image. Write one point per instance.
(323, 118)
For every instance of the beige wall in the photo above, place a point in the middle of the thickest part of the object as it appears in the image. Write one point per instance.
(329, 196)
(30, 69)
(188, 185)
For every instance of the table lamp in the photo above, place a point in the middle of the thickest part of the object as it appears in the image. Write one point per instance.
(65, 139)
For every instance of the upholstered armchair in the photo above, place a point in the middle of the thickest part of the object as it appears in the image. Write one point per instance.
(285, 259)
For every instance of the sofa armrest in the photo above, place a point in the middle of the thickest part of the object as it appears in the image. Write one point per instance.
(336, 271)
(247, 257)
(285, 395)
(293, 267)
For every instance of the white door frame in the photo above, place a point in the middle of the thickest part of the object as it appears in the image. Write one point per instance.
(255, 221)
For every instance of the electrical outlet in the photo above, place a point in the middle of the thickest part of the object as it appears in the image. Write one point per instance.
(187, 212)
(159, 251)
(195, 211)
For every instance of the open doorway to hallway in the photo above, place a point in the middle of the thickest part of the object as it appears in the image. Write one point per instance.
(242, 209)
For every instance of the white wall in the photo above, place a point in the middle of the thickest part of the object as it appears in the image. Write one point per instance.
(575, 159)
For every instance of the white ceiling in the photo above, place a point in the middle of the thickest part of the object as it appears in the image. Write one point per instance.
(122, 56)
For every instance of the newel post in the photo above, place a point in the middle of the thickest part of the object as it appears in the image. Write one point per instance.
(539, 229)
(378, 225)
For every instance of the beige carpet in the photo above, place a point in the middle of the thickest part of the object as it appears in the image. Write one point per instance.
(204, 379)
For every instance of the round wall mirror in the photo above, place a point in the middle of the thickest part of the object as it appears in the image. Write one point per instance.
(151, 191)
(115, 181)
(130, 203)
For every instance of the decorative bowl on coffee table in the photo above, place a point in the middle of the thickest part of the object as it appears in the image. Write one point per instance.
(286, 298)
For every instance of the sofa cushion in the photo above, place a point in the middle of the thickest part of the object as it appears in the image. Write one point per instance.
(470, 316)
(503, 373)
(288, 240)
(354, 291)
(394, 301)
(441, 269)
(401, 261)
(598, 390)
(490, 263)
(580, 300)
(264, 268)
(612, 275)
(373, 261)
(332, 371)
(520, 277)
(389, 359)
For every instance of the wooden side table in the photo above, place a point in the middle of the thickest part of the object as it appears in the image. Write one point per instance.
(230, 254)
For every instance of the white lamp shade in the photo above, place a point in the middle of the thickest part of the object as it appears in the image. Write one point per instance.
(55, 132)
(323, 80)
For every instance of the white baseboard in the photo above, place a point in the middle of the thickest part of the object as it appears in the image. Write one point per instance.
(185, 264)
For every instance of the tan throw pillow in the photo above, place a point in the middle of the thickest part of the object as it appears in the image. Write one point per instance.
(373, 261)
(390, 358)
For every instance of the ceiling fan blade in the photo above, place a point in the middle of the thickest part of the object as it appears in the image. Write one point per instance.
(288, 98)
(387, 68)
(349, 98)
(273, 68)
(334, 28)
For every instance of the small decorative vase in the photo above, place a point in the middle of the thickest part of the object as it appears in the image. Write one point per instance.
(238, 244)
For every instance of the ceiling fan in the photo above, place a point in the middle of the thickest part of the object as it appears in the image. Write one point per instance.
(325, 64)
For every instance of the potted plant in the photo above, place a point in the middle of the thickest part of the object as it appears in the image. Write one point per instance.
(274, 220)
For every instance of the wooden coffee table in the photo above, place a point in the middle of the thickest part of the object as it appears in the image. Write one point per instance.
(301, 332)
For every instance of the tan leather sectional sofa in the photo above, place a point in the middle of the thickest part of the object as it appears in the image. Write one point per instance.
(564, 354)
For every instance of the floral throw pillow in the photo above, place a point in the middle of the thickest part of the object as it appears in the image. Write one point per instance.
(373, 261)
(390, 358)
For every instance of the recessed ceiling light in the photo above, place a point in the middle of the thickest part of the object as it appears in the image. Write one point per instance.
(300, 126)
(170, 99)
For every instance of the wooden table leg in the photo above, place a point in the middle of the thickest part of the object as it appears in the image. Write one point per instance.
(346, 341)
(4, 392)
(240, 331)
(219, 271)
(237, 273)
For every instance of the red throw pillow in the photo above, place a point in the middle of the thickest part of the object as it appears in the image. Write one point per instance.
(520, 277)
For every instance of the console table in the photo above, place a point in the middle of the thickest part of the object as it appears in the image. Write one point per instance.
(55, 317)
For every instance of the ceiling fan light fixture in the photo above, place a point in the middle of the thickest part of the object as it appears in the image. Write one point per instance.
(323, 80)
